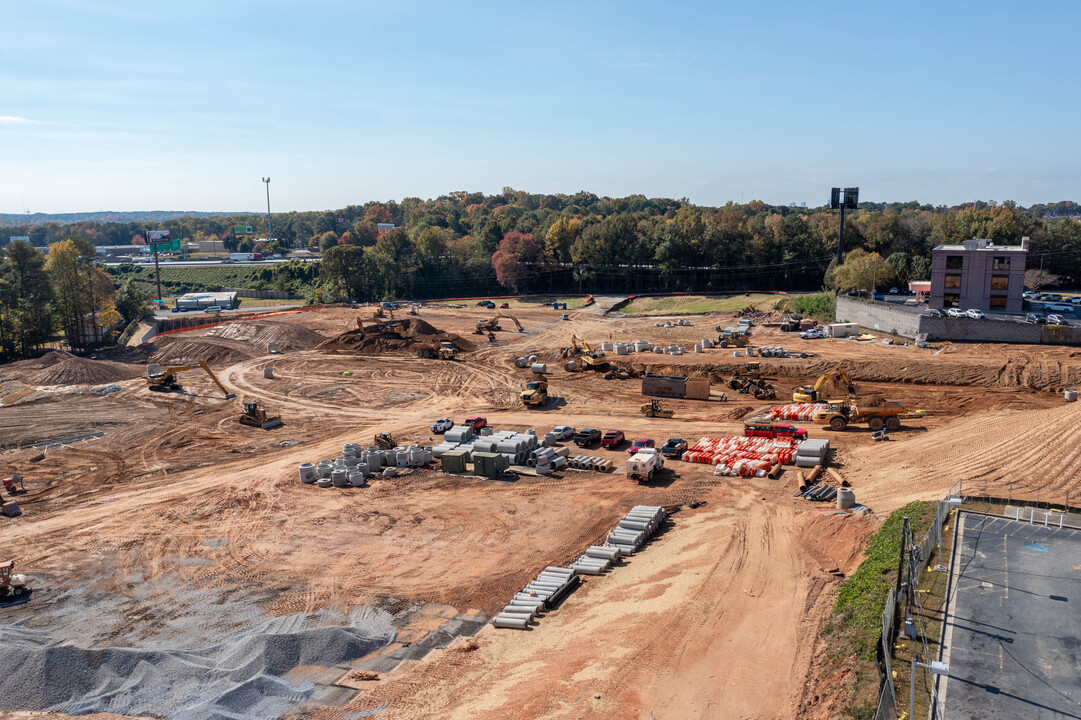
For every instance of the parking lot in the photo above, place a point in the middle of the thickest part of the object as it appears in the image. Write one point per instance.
(1013, 625)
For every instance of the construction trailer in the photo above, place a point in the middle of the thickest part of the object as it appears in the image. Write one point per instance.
(842, 330)
(671, 386)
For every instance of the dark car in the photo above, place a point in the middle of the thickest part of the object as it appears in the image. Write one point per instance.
(612, 439)
(587, 436)
(1035, 318)
(674, 448)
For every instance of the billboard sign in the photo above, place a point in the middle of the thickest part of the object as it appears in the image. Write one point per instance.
(13, 238)
(157, 236)
(242, 230)
(341, 219)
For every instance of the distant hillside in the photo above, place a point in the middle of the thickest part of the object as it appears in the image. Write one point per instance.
(104, 216)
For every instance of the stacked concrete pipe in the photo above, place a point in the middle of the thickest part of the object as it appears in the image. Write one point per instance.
(543, 592)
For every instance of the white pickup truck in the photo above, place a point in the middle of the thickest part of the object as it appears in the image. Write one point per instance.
(644, 464)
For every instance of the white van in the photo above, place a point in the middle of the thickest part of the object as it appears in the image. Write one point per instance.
(213, 309)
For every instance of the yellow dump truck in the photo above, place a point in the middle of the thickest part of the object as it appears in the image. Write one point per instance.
(840, 414)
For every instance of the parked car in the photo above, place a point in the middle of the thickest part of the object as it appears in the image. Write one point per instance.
(674, 448)
(894, 291)
(563, 432)
(1059, 307)
(212, 309)
(1029, 295)
(932, 312)
(1052, 297)
(1075, 300)
(564, 316)
(956, 312)
(441, 425)
(612, 439)
(640, 444)
(1035, 318)
(504, 306)
(476, 423)
(1055, 320)
(975, 314)
(812, 334)
(586, 436)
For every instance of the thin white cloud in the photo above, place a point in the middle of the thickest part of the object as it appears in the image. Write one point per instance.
(14, 120)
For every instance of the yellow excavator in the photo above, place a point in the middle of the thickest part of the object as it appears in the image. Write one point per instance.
(492, 323)
(379, 327)
(255, 416)
(164, 380)
(591, 359)
(813, 393)
(653, 408)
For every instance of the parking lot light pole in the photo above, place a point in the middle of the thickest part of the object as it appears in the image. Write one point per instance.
(269, 232)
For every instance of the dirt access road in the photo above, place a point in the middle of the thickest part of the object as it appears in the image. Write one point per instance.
(712, 620)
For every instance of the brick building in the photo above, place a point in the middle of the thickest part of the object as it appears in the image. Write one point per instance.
(978, 274)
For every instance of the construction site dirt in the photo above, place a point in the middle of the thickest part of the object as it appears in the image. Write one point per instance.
(179, 526)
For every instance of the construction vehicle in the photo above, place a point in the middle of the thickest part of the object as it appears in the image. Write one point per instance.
(14, 484)
(734, 338)
(379, 327)
(9, 582)
(165, 380)
(491, 336)
(644, 464)
(535, 393)
(385, 441)
(514, 320)
(492, 323)
(842, 413)
(443, 350)
(653, 408)
(255, 416)
(748, 380)
(814, 393)
(591, 359)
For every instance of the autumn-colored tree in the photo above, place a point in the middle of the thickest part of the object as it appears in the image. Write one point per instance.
(347, 239)
(862, 270)
(84, 293)
(510, 261)
(377, 213)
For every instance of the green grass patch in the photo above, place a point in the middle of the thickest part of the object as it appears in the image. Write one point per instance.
(862, 597)
(819, 306)
(294, 277)
(698, 304)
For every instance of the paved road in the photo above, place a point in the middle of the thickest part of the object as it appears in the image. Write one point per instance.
(241, 309)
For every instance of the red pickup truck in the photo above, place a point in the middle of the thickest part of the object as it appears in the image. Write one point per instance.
(612, 439)
(772, 430)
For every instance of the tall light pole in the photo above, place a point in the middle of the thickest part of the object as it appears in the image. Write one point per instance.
(269, 232)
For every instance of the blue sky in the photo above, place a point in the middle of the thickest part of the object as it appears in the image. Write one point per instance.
(186, 105)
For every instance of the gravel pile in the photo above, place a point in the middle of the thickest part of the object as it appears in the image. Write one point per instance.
(238, 676)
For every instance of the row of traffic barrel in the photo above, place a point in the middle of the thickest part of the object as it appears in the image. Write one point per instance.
(553, 583)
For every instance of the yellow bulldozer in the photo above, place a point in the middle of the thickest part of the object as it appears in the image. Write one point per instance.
(442, 350)
(814, 393)
(535, 393)
(653, 408)
(385, 441)
(255, 416)
(165, 380)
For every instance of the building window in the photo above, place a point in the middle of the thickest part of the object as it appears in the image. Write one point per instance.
(1000, 263)
(953, 281)
(1000, 282)
(955, 262)
(998, 302)
(951, 300)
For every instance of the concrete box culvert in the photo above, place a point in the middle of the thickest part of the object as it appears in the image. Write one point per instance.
(308, 473)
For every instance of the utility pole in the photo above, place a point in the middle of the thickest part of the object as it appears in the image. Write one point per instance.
(269, 232)
(849, 200)
(157, 269)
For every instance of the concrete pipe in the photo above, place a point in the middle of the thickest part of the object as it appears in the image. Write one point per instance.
(607, 346)
(340, 478)
(547, 585)
(533, 359)
(272, 347)
(363, 469)
(845, 498)
(587, 560)
(308, 474)
(634, 525)
(512, 609)
(356, 479)
(570, 366)
(536, 603)
(590, 570)
(513, 622)
(390, 472)
(324, 471)
(557, 462)
(521, 596)
(539, 368)
(561, 575)
(323, 482)
(1070, 395)
(557, 569)
(563, 451)
(603, 553)
(531, 462)
(520, 362)
(268, 372)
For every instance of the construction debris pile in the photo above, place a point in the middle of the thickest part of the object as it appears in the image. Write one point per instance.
(517, 447)
(356, 463)
(796, 411)
(553, 583)
(743, 456)
(679, 322)
(392, 336)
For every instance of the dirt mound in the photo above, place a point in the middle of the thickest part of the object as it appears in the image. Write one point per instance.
(289, 336)
(401, 338)
(57, 367)
(175, 350)
(739, 412)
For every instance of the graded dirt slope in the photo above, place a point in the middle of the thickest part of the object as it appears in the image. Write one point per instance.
(57, 367)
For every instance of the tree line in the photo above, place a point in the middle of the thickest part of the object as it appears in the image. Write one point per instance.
(468, 243)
